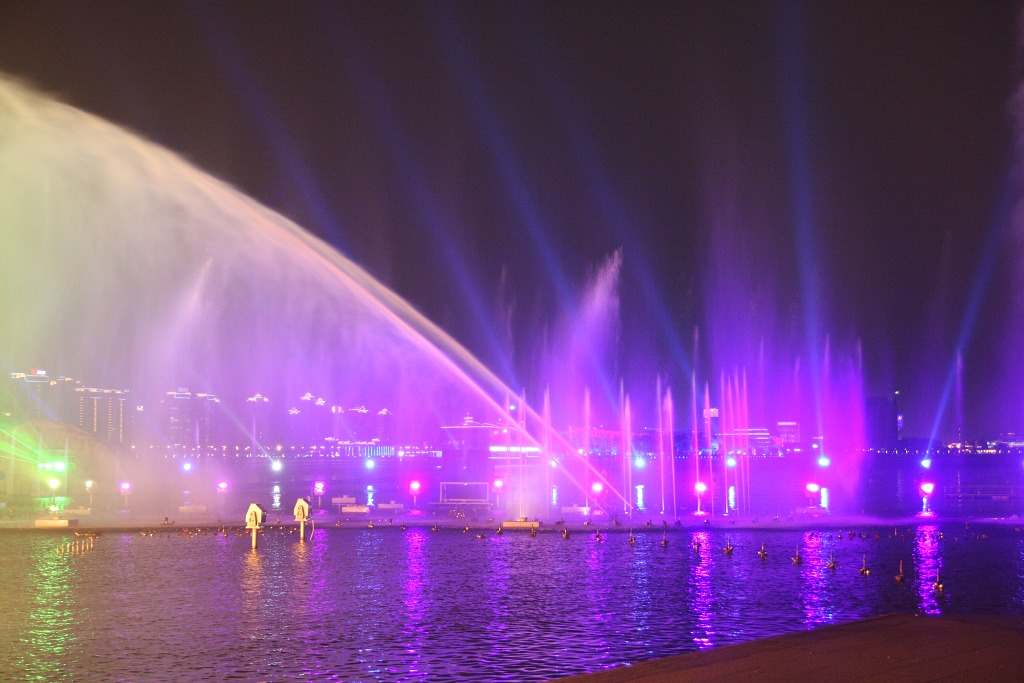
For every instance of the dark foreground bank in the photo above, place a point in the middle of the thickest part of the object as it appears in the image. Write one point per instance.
(887, 648)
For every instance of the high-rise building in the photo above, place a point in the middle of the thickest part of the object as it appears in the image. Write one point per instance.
(789, 432)
(190, 418)
(39, 396)
(106, 413)
(883, 421)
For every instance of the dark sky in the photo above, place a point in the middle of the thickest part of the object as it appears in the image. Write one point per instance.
(834, 168)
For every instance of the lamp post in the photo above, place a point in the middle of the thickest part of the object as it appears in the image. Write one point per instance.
(597, 488)
(498, 485)
(414, 489)
(222, 489)
(700, 487)
(813, 491)
(318, 489)
(126, 490)
(88, 489)
(927, 489)
(54, 484)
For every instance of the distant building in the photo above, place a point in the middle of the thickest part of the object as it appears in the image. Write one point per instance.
(106, 413)
(190, 418)
(466, 452)
(883, 422)
(789, 432)
(39, 396)
(756, 438)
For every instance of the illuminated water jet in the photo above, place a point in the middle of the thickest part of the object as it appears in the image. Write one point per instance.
(136, 269)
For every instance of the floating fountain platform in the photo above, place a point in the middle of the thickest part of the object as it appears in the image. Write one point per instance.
(55, 523)
(521, 523)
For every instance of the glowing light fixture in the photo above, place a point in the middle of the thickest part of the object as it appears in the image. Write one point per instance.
(926, 463)
(187, 467)
(222, 486)
(823, 461)
(700, 487)
(927, 488)
(639, 463)
(730, 461)
(126, 490)
(276, 465)
(597, 487)
(813, 488)
(370, 464)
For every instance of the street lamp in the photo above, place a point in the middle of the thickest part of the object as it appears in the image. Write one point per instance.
(54, 484)
(498, 484)
(88, 489)
(126, 490)
(414, 489)
(700, 487)
(927, 489)
(813, 491)
(222, 489)
(318, 490)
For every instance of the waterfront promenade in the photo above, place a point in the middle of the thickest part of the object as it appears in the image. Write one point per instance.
(894, 647)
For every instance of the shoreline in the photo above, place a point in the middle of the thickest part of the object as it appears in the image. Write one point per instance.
(327, 520)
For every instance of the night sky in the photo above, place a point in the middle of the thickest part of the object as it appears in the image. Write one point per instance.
(842, 169)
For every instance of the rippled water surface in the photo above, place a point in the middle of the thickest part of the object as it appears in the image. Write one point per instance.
(390, 605)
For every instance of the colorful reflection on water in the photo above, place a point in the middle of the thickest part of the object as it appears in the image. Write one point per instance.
(387, 604)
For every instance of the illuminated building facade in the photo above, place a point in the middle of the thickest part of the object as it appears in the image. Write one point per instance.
(190, 418)
(39, 396)
(104, 413)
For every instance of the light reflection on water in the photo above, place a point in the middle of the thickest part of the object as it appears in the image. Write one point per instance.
(701, 593)
(927, 566)
(387, 605)
(50, 633)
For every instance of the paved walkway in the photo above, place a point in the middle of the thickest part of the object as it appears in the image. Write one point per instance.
(895, 647)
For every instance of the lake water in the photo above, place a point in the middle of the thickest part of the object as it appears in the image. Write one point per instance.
(383, 604)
